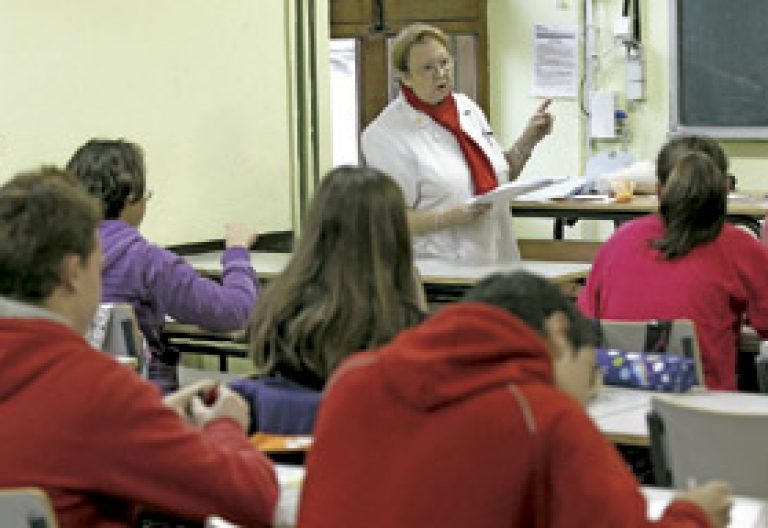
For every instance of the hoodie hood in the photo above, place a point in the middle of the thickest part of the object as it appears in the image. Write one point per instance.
(117, 238)
(29, 333)
(464, 349)
(10, 309)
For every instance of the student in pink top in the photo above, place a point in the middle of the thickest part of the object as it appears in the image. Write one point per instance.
(686, 261)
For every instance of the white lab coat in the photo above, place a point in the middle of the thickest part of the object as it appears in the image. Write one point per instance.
(426, 161)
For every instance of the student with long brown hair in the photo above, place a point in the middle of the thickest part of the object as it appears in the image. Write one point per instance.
(350, 284)
(686, 261)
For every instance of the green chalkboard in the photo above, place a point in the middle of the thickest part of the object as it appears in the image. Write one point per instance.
(719, 68)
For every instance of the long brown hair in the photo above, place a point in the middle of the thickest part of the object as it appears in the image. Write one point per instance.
(678, 147)
(692, 204)
(350, 284)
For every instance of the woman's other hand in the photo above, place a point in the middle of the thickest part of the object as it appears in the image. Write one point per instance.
(462, 215)
(426, 221)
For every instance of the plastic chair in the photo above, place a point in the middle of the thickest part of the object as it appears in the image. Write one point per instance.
(26, 508)
(115, 330)
(761, 367)
(712, 435)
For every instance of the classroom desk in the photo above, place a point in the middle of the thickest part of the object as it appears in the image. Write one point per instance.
(444, 281)
(746, 512)
(433, 271)
(746, 209)
(620, 413)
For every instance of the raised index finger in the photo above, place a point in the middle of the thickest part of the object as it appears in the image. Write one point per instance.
(543, 106)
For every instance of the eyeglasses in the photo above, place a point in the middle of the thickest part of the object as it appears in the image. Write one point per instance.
(443, 64)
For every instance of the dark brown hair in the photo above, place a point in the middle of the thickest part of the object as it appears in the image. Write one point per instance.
(678, 147)
(692, 204)
(350, 284)
(112, 170)
(532, 299)
(45, 215)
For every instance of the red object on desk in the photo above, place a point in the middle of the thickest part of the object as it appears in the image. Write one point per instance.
(210, 396)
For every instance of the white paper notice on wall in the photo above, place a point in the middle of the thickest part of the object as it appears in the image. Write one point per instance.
(555, 60)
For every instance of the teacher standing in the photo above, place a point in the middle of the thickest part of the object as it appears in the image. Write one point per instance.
(440, 149)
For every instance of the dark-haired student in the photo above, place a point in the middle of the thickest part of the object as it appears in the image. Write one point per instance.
(350, 284)
(475, 418)
(686, 262)
(88, 431)
(152, 279)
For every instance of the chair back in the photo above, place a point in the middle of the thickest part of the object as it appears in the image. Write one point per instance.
(675, 336)
(761, 367)
(115, 330)
(695, 438)
(26, 508)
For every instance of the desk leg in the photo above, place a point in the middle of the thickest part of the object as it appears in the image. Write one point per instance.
(557, 233)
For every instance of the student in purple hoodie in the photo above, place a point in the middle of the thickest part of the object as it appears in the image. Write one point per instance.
(152, 279)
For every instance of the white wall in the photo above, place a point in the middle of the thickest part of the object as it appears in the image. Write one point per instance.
(202, 85)
(510, 26)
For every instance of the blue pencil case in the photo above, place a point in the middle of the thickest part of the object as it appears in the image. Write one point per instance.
(644, 370)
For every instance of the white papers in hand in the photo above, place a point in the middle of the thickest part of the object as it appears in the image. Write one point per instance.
(564, 188)
(508, 191)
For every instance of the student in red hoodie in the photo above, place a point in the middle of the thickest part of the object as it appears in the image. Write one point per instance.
(88, 431)
(475, 418)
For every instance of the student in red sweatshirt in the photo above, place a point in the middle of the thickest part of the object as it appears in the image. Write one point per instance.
(475, 418)
(88, 431)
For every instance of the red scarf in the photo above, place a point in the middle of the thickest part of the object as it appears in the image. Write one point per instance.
(446, 114)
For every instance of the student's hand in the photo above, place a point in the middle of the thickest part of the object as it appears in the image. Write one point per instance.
(239, 235)
(228, 404)
(539, 125)
(714, 498)
(180, 401)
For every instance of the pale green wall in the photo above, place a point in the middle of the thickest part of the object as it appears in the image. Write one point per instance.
(510, 26)
(202, 85)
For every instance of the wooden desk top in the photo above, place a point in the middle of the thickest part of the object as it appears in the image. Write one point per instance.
(433, 271)
(750, 203)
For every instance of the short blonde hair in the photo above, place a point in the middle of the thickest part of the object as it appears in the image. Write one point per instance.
(410, 35)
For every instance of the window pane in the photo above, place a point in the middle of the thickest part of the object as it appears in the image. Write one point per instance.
(345, 120)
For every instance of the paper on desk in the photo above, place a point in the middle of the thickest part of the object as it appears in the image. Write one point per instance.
(507, 191)
(563, 188)
(614, 400)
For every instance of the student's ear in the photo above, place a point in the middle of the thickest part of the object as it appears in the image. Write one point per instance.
(70, 273)
(556, 327)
